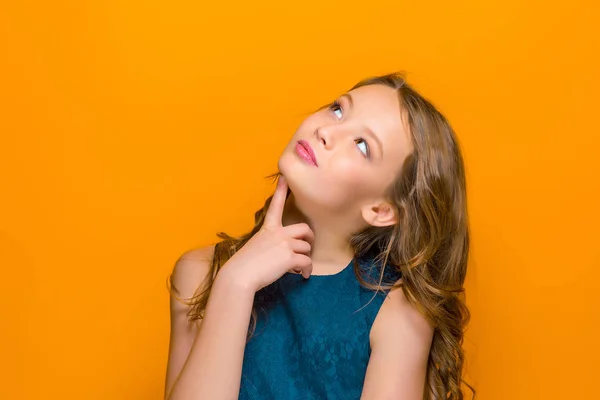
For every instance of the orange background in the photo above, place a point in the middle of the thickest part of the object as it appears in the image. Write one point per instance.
(133, 131)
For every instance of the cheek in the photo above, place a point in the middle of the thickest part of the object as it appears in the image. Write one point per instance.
(350, 178)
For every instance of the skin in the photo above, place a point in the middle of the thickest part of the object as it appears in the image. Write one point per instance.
(360, 146)
(345, 192)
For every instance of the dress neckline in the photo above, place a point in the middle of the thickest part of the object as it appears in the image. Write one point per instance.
(329, 276)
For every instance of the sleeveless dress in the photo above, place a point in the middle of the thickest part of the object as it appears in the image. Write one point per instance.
(311, 340)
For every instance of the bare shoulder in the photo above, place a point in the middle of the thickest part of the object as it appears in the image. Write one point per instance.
(188, 274)
(399, 321)
(400, 343)
(190, 270)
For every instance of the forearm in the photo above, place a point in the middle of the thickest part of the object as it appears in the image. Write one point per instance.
(214, 366)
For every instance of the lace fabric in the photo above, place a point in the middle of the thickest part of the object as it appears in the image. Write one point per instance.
(312, 336)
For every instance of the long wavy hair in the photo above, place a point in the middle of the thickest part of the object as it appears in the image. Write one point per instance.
(429, 245)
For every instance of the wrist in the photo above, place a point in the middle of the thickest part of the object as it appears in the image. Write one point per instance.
(229, 280)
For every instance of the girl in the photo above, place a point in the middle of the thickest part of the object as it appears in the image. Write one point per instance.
(350, 285)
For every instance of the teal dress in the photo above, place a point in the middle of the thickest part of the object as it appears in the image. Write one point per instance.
(311, 340)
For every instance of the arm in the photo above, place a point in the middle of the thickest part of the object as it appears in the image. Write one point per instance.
(189, 272)
(205, 360)
(400, 342)
(213, 368)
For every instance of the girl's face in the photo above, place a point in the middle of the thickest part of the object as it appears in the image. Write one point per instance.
(358, 145)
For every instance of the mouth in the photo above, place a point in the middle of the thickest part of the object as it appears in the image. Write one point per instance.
(306, 152)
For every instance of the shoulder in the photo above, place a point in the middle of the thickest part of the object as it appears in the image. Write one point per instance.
(400, 344)
(399, 323)
(190, 270)
(188, 274)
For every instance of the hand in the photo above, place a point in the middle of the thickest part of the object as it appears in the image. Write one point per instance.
(274, 250)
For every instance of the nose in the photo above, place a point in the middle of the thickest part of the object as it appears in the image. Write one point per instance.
(325, 135)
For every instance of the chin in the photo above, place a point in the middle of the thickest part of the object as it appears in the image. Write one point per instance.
(308, 191)
(293, 173)
(314, 194)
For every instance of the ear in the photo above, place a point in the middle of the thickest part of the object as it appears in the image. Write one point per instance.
(379, 214)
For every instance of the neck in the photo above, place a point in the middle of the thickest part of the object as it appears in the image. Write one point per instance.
(331, 251)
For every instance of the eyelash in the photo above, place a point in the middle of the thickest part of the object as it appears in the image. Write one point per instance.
(336, 104)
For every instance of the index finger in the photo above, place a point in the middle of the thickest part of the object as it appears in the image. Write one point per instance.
(275, 211)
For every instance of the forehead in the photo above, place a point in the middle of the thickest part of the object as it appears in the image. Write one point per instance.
(378, 107)
(377, 96)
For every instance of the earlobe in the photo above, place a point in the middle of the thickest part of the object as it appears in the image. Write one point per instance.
(382, 214)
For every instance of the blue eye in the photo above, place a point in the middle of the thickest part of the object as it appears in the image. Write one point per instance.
(363, 146)
(335, 106)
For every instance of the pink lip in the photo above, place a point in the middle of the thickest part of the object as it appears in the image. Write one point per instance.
(306, 152)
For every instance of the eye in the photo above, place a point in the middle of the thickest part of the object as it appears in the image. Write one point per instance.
(336, 107)
(363, 146)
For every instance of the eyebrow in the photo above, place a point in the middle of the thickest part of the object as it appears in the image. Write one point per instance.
(369, 131)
